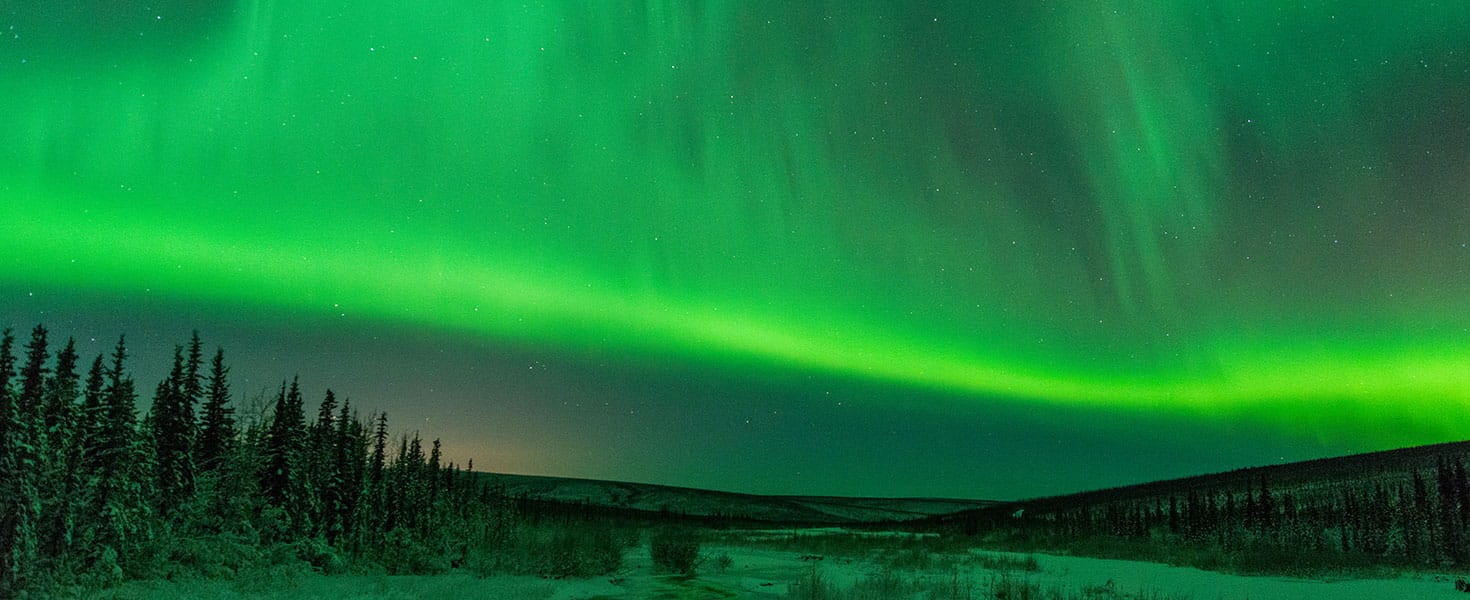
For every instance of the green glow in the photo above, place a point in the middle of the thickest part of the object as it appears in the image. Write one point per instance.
(1148, 206)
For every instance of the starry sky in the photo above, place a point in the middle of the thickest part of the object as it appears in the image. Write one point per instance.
(872, 247)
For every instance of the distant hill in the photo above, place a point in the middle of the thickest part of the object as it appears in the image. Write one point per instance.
(1397, 509)
(1319, 479)
(707, 503)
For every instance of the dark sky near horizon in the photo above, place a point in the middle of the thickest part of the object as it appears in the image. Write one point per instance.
(978, 249)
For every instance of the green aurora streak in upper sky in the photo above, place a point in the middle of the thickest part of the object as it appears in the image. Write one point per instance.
(1232, 211)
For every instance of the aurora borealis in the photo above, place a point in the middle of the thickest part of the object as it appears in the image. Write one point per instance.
(903, 248)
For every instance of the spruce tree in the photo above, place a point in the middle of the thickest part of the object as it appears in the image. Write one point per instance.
(380, 448)
(236, 470)
(417, 493)
(277, 468)
(281, 480)
(20, 501)
(7, 366)
(193, 390)
(33, 379)
(118, 502)
(451, 479)
(323, 475)
(434, 473)
(377, 486)
(59, 411)
(7, 402)
(347, 462)
(171, 426)
(217, 429)
(11, 577)
(61, 482)
(399, 480)
(93, 417)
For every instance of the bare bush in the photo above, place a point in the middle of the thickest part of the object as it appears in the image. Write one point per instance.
(675, 550)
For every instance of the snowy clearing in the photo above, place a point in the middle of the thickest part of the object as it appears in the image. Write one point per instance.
(1131, 576)
(758, 573)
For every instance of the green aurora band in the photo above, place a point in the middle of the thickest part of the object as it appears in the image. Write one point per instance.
(1245, 212)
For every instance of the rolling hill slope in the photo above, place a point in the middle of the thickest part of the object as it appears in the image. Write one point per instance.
(1389, 468)
(707, 503)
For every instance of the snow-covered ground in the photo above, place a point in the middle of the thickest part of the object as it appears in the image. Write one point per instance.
(1132, 576)
(759, 573)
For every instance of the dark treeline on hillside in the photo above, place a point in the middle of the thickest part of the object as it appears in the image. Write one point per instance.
(93, 494)
(1403, 508)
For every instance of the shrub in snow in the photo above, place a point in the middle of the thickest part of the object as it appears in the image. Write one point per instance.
(675, 550)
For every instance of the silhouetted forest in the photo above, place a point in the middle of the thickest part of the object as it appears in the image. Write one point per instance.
(1400, 508)
(93, 493)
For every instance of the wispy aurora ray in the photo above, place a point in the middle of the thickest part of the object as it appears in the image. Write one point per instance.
(1238, 212)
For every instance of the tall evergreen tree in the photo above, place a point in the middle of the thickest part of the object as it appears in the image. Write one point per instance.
(434, 473)
(93, 417)
(281, 479)
(399, 481)
(118, 502)
(376, 510)
(20, 501)
(61, 483)
(323, 475)
(380, 450)
(217, 429)
(33, 378)
(172, 427)
(7, 400)
(59, 411)
(193, 389)
(347, 462)
(417, 492)
(11, 536)
(277, 468)
(7, 366)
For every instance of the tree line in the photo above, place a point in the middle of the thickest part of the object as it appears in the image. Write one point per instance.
(93, 493)
(1418, 516)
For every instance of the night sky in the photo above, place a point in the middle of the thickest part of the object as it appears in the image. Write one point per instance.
(918, 248)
